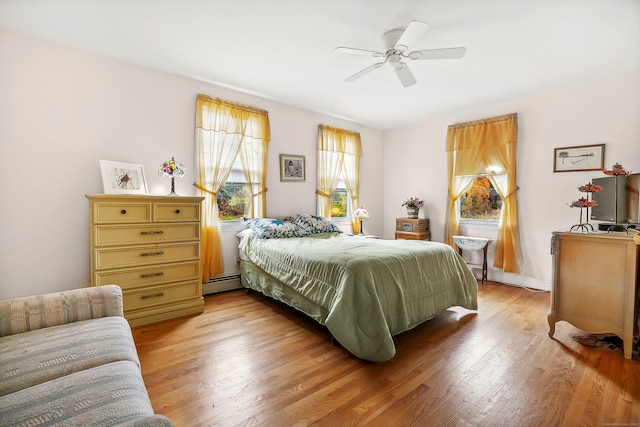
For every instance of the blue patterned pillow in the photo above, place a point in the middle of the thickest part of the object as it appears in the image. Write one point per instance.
(268, 228)
(313, 224)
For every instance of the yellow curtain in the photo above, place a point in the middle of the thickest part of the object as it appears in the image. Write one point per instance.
(487, 146)
(339, 152)
(222, 128)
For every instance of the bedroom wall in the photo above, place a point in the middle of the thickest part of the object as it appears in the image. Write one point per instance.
(62, 110)
(603, 111)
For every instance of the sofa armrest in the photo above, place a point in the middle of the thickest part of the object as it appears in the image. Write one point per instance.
(24, 314)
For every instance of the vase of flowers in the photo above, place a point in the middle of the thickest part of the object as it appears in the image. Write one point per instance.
(413, 206)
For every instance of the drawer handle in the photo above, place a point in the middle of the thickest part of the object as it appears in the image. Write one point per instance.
(177, 211)
(123, 211)
(146, 276)
(151, 253)
(147, 233)
(159, 294)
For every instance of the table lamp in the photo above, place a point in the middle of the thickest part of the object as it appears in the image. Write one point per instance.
(360, 214)
(172, 169)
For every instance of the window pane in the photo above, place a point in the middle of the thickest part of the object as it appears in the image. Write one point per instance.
(233, 201)
(481, 201)
(339, 205)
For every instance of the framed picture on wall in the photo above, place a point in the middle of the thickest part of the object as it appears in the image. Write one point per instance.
(578, 158)
(123, 178)
(292, 168)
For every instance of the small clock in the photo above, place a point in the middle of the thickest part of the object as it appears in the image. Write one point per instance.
(407, 226)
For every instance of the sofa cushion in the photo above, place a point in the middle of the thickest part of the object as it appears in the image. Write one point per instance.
(106, 395)
(33, 357)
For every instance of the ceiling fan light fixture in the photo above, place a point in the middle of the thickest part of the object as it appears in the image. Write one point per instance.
(396, 47)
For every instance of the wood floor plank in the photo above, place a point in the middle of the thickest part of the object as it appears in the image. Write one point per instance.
(249, 360)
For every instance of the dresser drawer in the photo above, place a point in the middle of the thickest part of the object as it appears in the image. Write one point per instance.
(147, 297)
(143, 234)
(131, 278)
(145, 255)
(176, 212)
(110, 212)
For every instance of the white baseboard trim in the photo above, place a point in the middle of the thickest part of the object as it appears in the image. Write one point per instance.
(221, 284)
(512, 279)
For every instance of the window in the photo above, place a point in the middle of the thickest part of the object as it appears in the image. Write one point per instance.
(234, 198)
(481, 201)
(486, 146)
(231, 153)
(340, 202)
(339, 152)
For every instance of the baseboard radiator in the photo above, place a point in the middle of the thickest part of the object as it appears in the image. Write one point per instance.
(221, 284)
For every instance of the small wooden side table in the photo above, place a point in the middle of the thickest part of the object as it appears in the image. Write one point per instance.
(474, 244)
(412, 229)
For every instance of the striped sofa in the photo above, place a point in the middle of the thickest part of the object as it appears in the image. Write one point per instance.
(69, 359)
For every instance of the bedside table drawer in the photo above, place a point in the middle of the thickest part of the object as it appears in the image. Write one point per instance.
(176, 212)
(117, 235)
(421, 235)
(108, 258)
(109, 213)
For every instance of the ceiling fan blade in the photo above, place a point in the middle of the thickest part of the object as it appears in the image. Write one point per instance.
(367, 70)
(414, 30)
(356, 51)
(405, 75)
(446, 53)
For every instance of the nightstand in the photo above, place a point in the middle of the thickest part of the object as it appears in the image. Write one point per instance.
(412, 229)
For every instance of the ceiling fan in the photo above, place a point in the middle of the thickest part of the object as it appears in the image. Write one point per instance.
(396, 49)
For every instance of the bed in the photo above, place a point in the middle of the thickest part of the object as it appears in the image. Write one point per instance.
(364, 291)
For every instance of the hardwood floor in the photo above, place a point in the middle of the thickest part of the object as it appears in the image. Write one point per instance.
(248, 360)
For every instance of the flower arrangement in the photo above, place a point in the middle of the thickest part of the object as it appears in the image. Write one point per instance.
(617, 169)
(413, 202)
(589, 188)
(583, 203)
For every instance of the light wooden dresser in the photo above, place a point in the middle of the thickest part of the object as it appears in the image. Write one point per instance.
(595, 283)
(150, 247)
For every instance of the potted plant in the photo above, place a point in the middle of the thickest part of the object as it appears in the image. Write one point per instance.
(413, 206)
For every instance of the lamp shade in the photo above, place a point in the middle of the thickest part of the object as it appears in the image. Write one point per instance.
(172, 169)
(360, 214)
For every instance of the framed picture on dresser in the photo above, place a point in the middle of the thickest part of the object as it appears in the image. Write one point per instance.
(123, 178)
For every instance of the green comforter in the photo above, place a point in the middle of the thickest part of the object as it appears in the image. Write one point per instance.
(363, 290)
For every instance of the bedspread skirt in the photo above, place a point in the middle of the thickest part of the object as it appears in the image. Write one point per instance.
(363, 290)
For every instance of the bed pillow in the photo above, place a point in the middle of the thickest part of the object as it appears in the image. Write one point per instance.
(268, 228)
(313, 224)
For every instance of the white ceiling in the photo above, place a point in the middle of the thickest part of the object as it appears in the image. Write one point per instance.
(283, 49)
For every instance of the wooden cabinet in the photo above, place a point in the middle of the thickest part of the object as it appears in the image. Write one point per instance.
(412, 229)
(595, 283)
(150, 247)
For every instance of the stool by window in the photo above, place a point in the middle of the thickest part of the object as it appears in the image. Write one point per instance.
(474, 244)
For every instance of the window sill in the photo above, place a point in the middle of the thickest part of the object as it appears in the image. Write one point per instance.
(479, 223)
(232, 226)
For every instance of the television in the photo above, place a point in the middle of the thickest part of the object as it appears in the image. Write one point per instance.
(627, 209)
